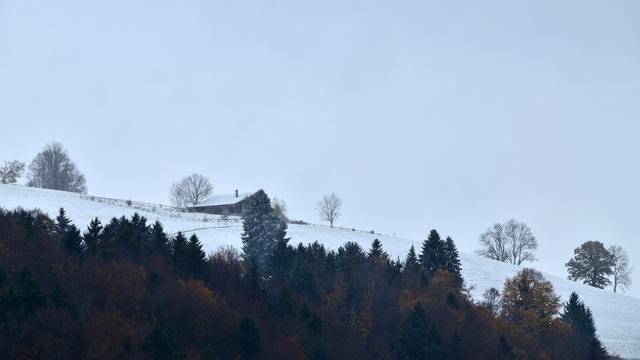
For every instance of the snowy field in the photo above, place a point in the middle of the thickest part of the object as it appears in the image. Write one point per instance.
(617, 316)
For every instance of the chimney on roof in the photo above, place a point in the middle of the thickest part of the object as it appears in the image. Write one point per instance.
(236, 192)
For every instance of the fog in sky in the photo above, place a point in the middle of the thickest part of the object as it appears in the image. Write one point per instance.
(448, 115)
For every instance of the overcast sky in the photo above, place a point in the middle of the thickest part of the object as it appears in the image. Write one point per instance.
(449, 115)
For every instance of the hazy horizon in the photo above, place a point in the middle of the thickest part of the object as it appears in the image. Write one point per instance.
(419, 115)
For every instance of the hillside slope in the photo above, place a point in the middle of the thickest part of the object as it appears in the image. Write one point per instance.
(617, 316)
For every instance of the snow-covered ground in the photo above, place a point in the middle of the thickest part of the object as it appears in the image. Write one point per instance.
(617, 316)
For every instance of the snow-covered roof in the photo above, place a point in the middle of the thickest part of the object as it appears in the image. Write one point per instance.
(227, 199)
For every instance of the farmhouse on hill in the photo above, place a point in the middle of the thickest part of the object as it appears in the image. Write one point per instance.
(230, 204)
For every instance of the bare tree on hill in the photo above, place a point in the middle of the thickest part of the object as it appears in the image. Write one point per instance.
(621, 270)
(190, 191)
(11, 171)
(53, 169)
(511, 242)
(329, 208)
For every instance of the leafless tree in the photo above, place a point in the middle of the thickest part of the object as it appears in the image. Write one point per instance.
(11, 171)
(53, 169)
(511, 242)
(491, 301)
(190, 191)
(280, 208)
(329, 208)
(620, 268)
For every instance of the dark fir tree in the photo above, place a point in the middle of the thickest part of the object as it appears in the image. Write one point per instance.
(71, 240)
(260, 229)
(376, 250)
(592, 264)
(92, 236)
(283, 255)
(349, 256)
(247, 338)
(419, 338)
(107, 243)
(579, 317)
(180, 254)
(452, 260)
(197, 259)
(159, 240)
(411, 263)
(62, 222)
(432, 257)
(140, 237)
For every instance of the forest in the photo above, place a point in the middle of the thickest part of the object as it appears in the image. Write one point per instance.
(128, 290)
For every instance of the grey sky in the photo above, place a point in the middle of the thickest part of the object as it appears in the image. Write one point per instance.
(451, 115)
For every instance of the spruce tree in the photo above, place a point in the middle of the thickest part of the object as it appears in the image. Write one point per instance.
(180, 254)
(282, 257)
(376, 250)
(92, 236)
(247, 337)
(62, 222)
(432, 257)
(159, 240)
(419, 338)
(107, 243)
(260, 229)
(140, 238)
(71, 240)
(579, 317)
(576, 314)
(197, 259)
(452, 260)
(411, 263)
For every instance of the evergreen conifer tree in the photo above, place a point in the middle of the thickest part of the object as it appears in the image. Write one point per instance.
(282, 258)
(419, 338)
(247, 338)
(579, 317)
(72, 240)
(432, 257)
(180, 254)
(159, 240)
(260, 229)
(62, 222)
(376, 250)
(411, 263)
(452, 260)
(107, 246)
(92, 236)
(197, 259)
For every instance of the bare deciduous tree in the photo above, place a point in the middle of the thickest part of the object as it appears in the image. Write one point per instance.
(491, 301)
(280, 208)
(621, 270)
(511, 242)
(190, 191)
(53, 169)
(11, 171)
(329, 208)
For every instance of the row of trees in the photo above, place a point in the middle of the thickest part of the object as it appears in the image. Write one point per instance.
(129, 290)
(52, 168)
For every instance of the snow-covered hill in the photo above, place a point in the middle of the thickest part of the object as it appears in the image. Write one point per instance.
(617, 316)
